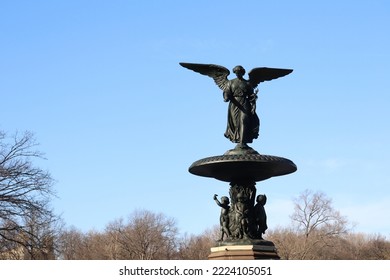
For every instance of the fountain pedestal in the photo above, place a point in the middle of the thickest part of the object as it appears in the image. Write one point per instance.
(243, 219)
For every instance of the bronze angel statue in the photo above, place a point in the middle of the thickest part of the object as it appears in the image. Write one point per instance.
(243, 123)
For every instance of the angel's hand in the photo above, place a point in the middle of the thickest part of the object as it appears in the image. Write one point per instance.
(226, 97)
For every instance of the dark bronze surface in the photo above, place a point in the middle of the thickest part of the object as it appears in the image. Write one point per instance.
(243, 124)
(243, 219)
(252, 167)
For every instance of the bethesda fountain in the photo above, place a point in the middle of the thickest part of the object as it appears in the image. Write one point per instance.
(243, 219)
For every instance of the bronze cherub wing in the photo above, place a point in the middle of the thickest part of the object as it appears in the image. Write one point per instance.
(261, 74)
(217, 72)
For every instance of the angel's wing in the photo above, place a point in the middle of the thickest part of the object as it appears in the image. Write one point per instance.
(261, 74)
(217, 72)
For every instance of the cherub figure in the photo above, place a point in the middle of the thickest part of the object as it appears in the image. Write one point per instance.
(224, 218)
(260, 216)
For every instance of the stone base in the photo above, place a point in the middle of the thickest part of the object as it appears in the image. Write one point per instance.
(244, 252)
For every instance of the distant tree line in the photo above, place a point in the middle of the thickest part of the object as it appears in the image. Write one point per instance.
(144, 235)
(29, 229)
(316, 232)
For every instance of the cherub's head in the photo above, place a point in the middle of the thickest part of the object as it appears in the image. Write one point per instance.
(225, 200)
(262, 199)
(239, 71)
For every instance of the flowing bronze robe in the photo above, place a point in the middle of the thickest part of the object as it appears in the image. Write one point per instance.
(243, 123)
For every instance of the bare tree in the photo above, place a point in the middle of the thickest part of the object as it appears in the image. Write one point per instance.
(115, 246)
(316, 229)
(314, 212)
(197, 247)
(70, 244)
(25, 191)
(76, 245)
(40, 242)
(360, 246)
(94, 246)
(288, 242)
(145, 236)
(318, 223)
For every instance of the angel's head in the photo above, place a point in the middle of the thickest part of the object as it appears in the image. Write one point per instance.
(239, 70)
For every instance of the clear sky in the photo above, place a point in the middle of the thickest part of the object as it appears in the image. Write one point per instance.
(120, 121)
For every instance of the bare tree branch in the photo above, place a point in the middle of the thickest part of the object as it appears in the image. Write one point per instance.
(25, 191)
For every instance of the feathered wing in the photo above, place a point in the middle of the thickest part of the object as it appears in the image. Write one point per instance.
(217, 72)
(261, 74)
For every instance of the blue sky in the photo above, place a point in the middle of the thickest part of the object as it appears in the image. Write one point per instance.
(120, 122)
